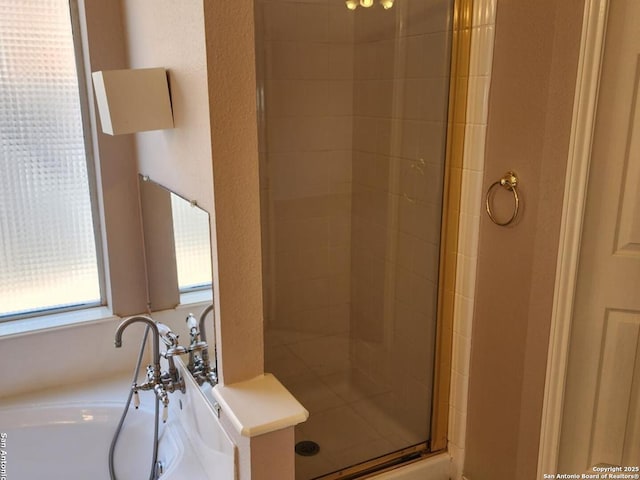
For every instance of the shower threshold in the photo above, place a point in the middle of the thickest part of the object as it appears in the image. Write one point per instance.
(382, 464)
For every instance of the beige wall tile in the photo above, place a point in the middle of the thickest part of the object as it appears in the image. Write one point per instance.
(426, 16)
(341, 61)
(341, 24)
(312, 22)
(427, 55)
(281, 60)
(313, 60)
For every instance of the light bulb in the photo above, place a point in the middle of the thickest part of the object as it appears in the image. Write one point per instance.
(366, 3)
(386, 4)
(352, 4)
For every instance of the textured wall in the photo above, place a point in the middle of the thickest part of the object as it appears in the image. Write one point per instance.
(530, 108)
(104, 49)
(178, 158)
(207, 48)
(229, 28)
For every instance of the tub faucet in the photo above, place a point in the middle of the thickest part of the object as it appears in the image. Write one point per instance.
(161, 383)
(203, 317)
(200, 365)
(171, 380)
(155, 370)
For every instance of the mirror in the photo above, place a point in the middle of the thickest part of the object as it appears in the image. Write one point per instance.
(177, 246)
(177, 250)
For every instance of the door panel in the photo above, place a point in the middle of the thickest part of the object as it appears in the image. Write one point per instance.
(615, 395)
(628, 231)
(600, 417)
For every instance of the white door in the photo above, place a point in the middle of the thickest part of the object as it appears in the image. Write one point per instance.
(601, 416)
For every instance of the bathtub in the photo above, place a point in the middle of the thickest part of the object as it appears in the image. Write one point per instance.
(73, 441)
(66, 434)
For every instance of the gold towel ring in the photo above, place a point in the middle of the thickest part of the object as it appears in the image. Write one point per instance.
(510, 182)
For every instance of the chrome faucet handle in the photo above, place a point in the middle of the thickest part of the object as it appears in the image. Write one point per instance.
(192, 324)
(165, 413)
(163, 397)
(136, 397)
(169, 338)
(212, 377)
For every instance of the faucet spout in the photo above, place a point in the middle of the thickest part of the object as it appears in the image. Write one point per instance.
(203, 317)
(209, 373)
(156, 340)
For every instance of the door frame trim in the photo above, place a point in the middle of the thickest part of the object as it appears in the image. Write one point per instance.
(575, 194)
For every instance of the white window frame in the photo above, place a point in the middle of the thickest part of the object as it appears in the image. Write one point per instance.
(83, 96)
(113, 175)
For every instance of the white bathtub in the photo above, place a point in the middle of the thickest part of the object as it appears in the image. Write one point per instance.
(67, 433)
(73, 441)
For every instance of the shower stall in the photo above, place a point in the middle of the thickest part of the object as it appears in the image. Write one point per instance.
(354, 102)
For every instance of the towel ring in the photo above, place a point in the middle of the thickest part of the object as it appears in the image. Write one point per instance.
(510, 182)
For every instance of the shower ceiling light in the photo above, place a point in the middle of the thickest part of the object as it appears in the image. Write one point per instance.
(353, 4)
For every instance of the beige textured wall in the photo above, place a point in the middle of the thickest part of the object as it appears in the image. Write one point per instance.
(533, 81)
(229, 35)
(178, 158)
(207, 48)
(104, 49)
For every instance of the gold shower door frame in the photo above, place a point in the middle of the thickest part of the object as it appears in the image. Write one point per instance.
(458, 86)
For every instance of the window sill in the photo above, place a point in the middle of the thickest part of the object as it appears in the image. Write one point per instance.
(87, 315)
(199, 296)
(54, 321)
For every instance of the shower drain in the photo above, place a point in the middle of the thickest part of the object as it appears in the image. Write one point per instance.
(307, 448)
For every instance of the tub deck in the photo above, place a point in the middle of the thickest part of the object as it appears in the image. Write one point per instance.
(66, 433)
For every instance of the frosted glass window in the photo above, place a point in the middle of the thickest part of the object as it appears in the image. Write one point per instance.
(193, 245)
(48, 249)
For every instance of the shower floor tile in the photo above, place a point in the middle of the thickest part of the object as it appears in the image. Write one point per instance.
(285, 364)
(314, 395)
(362, 453)
(376, 411)
(312, 467)
(351, 387)
(337, 429)
(346, 438)
(324, 355)
(351, 417)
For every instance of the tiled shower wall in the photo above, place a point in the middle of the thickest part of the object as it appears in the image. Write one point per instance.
(400, 106)
(351, 162)
(307, 57)
(481, 61)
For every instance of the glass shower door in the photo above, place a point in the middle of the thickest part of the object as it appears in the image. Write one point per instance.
(353, 109)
